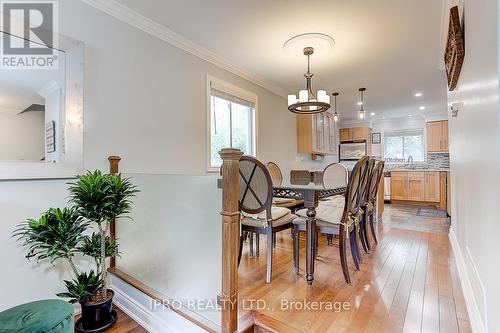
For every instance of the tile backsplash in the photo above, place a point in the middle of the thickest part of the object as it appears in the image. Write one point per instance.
(439, 160)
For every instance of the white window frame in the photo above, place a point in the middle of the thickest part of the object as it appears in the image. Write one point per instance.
(236, 91)
(405, 132)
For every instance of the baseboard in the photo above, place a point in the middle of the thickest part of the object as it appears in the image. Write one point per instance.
(138, 307)
(469, 295)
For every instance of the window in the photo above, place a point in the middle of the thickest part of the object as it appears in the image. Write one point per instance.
(402, 144)
(232, 121)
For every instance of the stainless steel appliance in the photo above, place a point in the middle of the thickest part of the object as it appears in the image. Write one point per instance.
(387, 186)
(352, 151)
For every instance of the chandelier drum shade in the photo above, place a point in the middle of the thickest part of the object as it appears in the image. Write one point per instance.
(307, 102)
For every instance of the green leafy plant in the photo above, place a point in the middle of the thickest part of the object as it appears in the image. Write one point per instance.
(96, 199)
(100, 198)
(57, 234)
(82, 288)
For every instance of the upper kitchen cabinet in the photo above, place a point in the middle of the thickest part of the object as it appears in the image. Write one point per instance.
(437, 136)
(316, 134)
(357, 134)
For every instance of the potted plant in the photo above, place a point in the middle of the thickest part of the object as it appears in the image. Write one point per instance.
(59, 234)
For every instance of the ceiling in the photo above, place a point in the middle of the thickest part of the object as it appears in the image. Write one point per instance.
(391, 47)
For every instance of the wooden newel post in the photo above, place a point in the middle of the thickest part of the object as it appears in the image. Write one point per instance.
(230, 238)
(113, 168)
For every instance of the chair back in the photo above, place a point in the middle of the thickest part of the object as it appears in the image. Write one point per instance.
(335, 175)
(275, 172)
(375, 179)
(365, 183)
(255, 187)
(353, 195)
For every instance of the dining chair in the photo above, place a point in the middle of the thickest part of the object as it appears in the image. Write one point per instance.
(258, 215)
(365, 191)
(337, 217)
(275, 172)
(369, 208)
(334, 175)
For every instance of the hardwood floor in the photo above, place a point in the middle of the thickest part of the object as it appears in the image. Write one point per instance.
(408, 283)
(125, 324)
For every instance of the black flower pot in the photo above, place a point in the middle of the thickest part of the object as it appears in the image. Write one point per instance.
(97, 317)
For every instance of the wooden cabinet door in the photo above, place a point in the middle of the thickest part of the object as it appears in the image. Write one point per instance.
(444, 131)
(399, 186)
(434, 136)
(345, 134)
(330, 133)
(416, 181)
(432, 186)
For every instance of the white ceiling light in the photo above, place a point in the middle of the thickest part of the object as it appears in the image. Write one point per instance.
(372, 114)
(360, 103)
(410, 115)
(422, 108)
(418, 94)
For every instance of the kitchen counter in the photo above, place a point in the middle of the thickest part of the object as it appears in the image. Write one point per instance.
(418, 170)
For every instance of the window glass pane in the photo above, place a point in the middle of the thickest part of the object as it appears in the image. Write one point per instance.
(242, 127)
(220, 126)
(414, 146)
(394, 147)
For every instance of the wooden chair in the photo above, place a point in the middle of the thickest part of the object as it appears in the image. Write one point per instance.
(275, 172)
(338, 217)
(365, 191)
(369, 207)
(255, 203)
(334, 175)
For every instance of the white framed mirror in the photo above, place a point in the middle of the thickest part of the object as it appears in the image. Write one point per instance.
(41, 116)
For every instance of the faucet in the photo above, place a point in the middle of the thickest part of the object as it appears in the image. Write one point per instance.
(410, 159)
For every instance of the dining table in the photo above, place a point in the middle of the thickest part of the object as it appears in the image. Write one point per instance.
(311, 194)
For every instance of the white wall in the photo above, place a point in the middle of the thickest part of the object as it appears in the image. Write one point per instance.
(22, 136)
(145, 101)
(474, 157)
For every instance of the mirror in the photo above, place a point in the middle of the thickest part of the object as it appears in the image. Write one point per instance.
(41, 115)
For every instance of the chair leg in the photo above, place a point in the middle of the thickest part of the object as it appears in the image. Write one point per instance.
(269, 269)
(365, 231)
(362, 234)
(251, 244)
(296, 232)
(316, 244)
(257, 245)
(354, 247)
(242, 240)
(372, 228)
(274, 240)
(343, 254)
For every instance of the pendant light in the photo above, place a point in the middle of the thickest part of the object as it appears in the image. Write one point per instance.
(336, 116)
(362, 112)
(308, 103)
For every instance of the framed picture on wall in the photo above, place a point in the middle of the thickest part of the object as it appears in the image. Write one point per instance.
(376, 138)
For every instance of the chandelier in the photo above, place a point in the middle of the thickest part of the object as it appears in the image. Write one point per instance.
(362, 112)
(307, 102)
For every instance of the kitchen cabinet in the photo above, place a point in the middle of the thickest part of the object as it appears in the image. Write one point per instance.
(418, 186)
(398, 185)
(437, 136)
(316, 134)
(432, 187)
(357, 134)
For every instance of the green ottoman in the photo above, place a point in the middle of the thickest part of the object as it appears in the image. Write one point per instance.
(51, 316)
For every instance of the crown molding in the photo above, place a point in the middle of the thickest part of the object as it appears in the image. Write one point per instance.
(133, 18)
